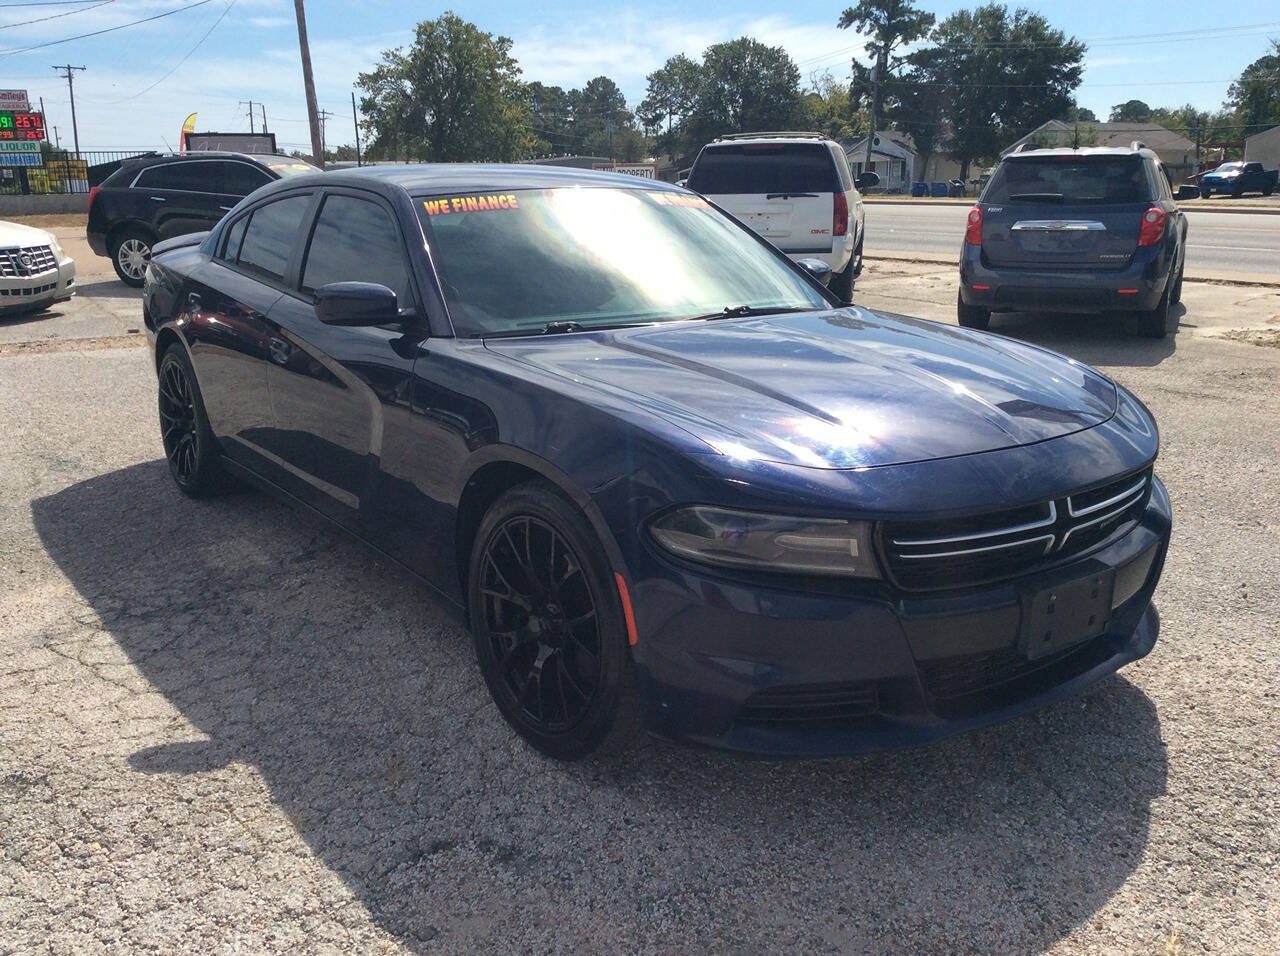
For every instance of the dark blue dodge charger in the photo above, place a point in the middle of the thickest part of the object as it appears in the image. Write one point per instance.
(666, 479)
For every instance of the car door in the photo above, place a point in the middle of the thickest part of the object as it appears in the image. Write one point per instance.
(226, 330)
(334, 389)
(180, 197)
(237, 179)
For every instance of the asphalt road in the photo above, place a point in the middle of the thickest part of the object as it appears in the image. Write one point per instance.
(1217, 242)
(224, 727)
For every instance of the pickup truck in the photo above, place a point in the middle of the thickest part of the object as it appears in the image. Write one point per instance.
(1237, 178)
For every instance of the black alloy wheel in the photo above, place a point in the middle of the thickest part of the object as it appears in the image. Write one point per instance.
(189, 444)
(546, 623)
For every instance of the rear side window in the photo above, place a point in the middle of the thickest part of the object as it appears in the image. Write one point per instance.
(235, 235)
(1103, 180)
(764, 168)
(240, 179)
(191, 177)
(355, 240)
(271, 235)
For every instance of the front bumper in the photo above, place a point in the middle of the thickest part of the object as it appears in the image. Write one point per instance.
(21, 293)
(1003, 289)
(742, 668)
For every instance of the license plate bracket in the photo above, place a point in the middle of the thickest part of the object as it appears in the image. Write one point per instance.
(1066, 614)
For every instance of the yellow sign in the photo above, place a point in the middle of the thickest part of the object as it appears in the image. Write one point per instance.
(452, 204)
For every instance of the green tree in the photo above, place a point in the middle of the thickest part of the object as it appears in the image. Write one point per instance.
(551, 119)
(1079, 114)
(890, 25)
(669, 99)
(454, 95)
(830, 107)
(1000, 75)
(600, 115)
(1255, 96)
(1131, 111)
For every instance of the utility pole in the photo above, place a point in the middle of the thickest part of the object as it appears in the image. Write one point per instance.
(325, 116)
(263, 107)
(249, 104)
(308, 81)
(57, 142)
(882, 58)
(355, 121)
(71, 88)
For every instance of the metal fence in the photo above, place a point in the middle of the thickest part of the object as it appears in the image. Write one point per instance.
(62, 172)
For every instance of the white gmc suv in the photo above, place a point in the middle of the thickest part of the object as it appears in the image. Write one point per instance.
(795, 189)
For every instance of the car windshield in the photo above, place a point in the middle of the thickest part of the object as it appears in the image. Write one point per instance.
(1103, 180)
(764, 168)
(1227, 167)
(286, 166)
(593, 257)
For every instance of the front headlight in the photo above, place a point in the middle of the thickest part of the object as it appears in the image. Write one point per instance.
(761, 542)
(55, 245)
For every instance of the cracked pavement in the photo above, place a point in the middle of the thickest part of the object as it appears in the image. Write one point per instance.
(225, 727)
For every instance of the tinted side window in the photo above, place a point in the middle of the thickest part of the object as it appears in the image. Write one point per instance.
(764, 168)
(355, 240)
(240, 179)
(271, 235)
(191, 177)
(234, 237)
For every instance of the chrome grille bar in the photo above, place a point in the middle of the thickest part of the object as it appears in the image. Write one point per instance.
(979, 535)
(1130, 493)
(1021, 543)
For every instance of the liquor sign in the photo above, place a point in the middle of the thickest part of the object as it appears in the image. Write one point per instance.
(15, 100)
(22, 152)
(21, 125)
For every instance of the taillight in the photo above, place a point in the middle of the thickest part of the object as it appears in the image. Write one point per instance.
(839, 215)
(1152, 226)
(93, 194)
(973, 232)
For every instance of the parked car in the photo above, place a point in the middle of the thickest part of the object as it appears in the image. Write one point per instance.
(34, 271)
(1236, 179)
(795, 189)
(657, 468)
(159, 197)
(1075, 230)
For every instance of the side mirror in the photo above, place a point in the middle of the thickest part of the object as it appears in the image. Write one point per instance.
(867, 180)
(356, 304)
(816, 268)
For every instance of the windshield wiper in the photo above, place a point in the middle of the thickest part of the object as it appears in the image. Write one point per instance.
(560, 327)
(791, 196)
(739, 311)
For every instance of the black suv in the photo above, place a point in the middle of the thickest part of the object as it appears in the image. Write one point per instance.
(1075, 230)
(159, 197)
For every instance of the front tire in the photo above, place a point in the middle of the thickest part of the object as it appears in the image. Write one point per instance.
(189, 445)
(548, 626)
(130, 255)
(1205, 192)
(972, 316)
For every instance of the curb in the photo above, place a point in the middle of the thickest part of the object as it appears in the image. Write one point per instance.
(1219, 279)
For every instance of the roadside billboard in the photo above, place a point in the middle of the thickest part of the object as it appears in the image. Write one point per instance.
(642, 170)
(20, 152)
(15, 100)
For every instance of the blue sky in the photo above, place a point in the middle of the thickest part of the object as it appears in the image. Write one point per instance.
(251, 53)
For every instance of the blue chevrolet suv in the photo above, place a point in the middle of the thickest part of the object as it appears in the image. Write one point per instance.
(1075, 230)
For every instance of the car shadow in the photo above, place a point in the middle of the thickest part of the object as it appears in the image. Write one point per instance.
(290, 648)
(111, 288)
(1094, 339)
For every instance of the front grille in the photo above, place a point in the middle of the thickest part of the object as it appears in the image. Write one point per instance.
(811, 705)
(960, 684)
(962, 552)
(27, 293)
(22, 261)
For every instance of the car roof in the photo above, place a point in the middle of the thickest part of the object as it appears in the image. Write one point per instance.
(161, 158)
(473, 177)
(739, 138)
(1084, 151)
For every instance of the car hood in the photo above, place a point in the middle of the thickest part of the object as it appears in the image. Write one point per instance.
(847, 388)
(16, 234)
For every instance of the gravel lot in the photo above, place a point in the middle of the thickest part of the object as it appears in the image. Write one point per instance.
(225, 727)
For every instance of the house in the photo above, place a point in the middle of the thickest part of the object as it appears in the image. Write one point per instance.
(1264, 148)
(892, 147)
(1176, 151)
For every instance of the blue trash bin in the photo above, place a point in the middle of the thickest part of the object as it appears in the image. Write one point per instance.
(939, 189)
(919, 189)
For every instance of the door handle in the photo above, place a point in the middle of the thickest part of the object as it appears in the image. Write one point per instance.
(226, 208)
(157, 199)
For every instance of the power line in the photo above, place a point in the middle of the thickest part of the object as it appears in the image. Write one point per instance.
(184, 59)
(45, 3)
(83, 36)
(55, 16)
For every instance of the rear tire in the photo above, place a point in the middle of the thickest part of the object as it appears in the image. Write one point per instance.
(1269, 190)
(1205, 192)
(1159, 322)
(972, 316)
(842, 282)
(548, 626)
(857, 256)
(1176, 295)
(130, 254)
